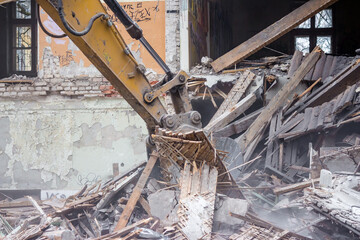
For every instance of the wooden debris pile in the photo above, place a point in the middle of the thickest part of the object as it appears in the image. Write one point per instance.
(309, 124)
(92, 213)
(286, 168)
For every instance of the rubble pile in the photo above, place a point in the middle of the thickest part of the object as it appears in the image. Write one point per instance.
(279, 159)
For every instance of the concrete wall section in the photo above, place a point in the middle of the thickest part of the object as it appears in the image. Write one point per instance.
(54, 143)
(184, 35)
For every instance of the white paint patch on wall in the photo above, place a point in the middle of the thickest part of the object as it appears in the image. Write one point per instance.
(51, 66)
(184, 36)
(56, 143)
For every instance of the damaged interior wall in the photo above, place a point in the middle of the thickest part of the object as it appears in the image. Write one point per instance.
(216, 27)
(56, 143)
(57, 128)
(172, 34)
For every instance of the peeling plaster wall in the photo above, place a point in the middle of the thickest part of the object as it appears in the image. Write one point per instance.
(57, 143)
(68, 126)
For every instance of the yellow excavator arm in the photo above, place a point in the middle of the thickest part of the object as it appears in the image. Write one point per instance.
(88, 25)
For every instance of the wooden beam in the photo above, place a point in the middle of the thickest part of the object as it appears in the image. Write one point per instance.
(271, 33)
(280, 98)
(235, 94)
(6, 1)
(241, 69)
(300, 168)
(295, 62)
(238, 126)
(267, 225)
(330, 91)
(294, 187)
(118, 233)
(124, 218)
(230, 114)
(145, 205)
(281, 157)
(197, 198)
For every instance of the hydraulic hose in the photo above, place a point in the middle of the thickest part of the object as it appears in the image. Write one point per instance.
(43, 28)
(67, 26)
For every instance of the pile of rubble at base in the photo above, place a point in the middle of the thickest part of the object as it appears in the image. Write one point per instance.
(270, 164)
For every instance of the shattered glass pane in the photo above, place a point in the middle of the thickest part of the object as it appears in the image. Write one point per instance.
(23, 59)
(306, 24)
(324, 42)
(324, 19)
(23, 37)
(302, 44)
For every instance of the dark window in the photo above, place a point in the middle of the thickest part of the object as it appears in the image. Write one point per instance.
(21, 40)
(316, 31)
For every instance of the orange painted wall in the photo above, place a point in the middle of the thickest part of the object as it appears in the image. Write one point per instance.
(150, 16)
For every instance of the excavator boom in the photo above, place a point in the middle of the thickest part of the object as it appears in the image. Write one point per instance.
(104, 46)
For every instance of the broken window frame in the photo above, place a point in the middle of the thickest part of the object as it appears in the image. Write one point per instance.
(313, 33)
(22, 22)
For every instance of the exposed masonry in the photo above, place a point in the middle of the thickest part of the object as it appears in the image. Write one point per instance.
(172, 34)
(74, 87)
(77, 81)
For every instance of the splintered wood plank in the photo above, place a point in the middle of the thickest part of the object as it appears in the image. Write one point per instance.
(185, 181)
(323, 112)
(294, 154)
(145, 205)
(298, 162)
(308, 76)
(126, 214)
(294, 187)
(250, 150)
(329, 91)
(289, 126)
(196, 209)
(319, 68)
(314, 118)
(288, 146)
(281, 156)
(333, 65)
(346, 99)
(231, 114)
(280, 98)
(204, 178)
(270, 147)
(271, 33)
(238, 126)
(119, 233)
(326, 70)
(235, 94)
(295, 62)
(307, 117)
(195, 182)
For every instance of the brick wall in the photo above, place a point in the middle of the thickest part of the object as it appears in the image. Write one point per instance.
(71, 87)
(172, 37)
